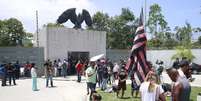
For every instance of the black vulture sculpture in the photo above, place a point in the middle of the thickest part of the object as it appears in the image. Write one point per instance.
(76, 20)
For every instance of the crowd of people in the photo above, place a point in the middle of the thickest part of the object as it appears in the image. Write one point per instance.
(103, 72)
(13, 71)
(152, 89)
(9, 72)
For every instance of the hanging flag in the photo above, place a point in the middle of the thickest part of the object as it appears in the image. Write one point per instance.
(138, 53)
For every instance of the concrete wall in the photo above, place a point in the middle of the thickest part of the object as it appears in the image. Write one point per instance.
(42, 40)
(33, 55)
(153, 55)
(59, 41)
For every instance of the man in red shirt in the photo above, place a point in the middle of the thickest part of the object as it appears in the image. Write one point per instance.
(79, 67)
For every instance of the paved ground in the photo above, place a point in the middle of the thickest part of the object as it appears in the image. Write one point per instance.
(66, 90)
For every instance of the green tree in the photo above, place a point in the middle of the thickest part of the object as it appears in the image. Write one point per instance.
(182, 51)
(4, 36)
(27, 42)
(120, 28)
(100, 21)
(183, 35)
(12, 32)
(156, 22)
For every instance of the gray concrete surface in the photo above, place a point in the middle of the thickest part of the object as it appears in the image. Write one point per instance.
(65, 90)
(58, 41)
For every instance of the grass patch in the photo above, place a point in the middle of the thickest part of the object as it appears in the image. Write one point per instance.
(128, 97)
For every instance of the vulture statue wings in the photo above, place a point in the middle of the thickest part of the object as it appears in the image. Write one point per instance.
(77, 20)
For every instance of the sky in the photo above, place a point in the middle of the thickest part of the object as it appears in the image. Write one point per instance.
(176, 12)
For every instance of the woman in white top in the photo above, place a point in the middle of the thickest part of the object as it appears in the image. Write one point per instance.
(150, 90)
(34, 77)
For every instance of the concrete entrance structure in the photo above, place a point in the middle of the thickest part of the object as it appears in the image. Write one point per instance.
(59, 41)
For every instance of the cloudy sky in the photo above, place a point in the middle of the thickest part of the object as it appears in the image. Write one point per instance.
(176, 12)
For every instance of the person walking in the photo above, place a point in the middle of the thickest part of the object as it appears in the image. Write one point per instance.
(34, 77)
(91, 74)
(79, 67)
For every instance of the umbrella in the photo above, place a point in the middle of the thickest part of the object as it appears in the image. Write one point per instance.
(95, 58)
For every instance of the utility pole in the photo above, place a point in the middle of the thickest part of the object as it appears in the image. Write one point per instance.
(145, 14)
(37, 39)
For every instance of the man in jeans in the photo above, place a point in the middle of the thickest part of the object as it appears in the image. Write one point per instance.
(91, 74)
(11, 73)
(49, 73)
(105, 78)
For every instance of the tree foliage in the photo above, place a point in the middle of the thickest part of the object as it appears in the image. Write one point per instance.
(12, 32)
(182, 51)
(156, 22)
(183, 34)
(100, 21)
(118, 28)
